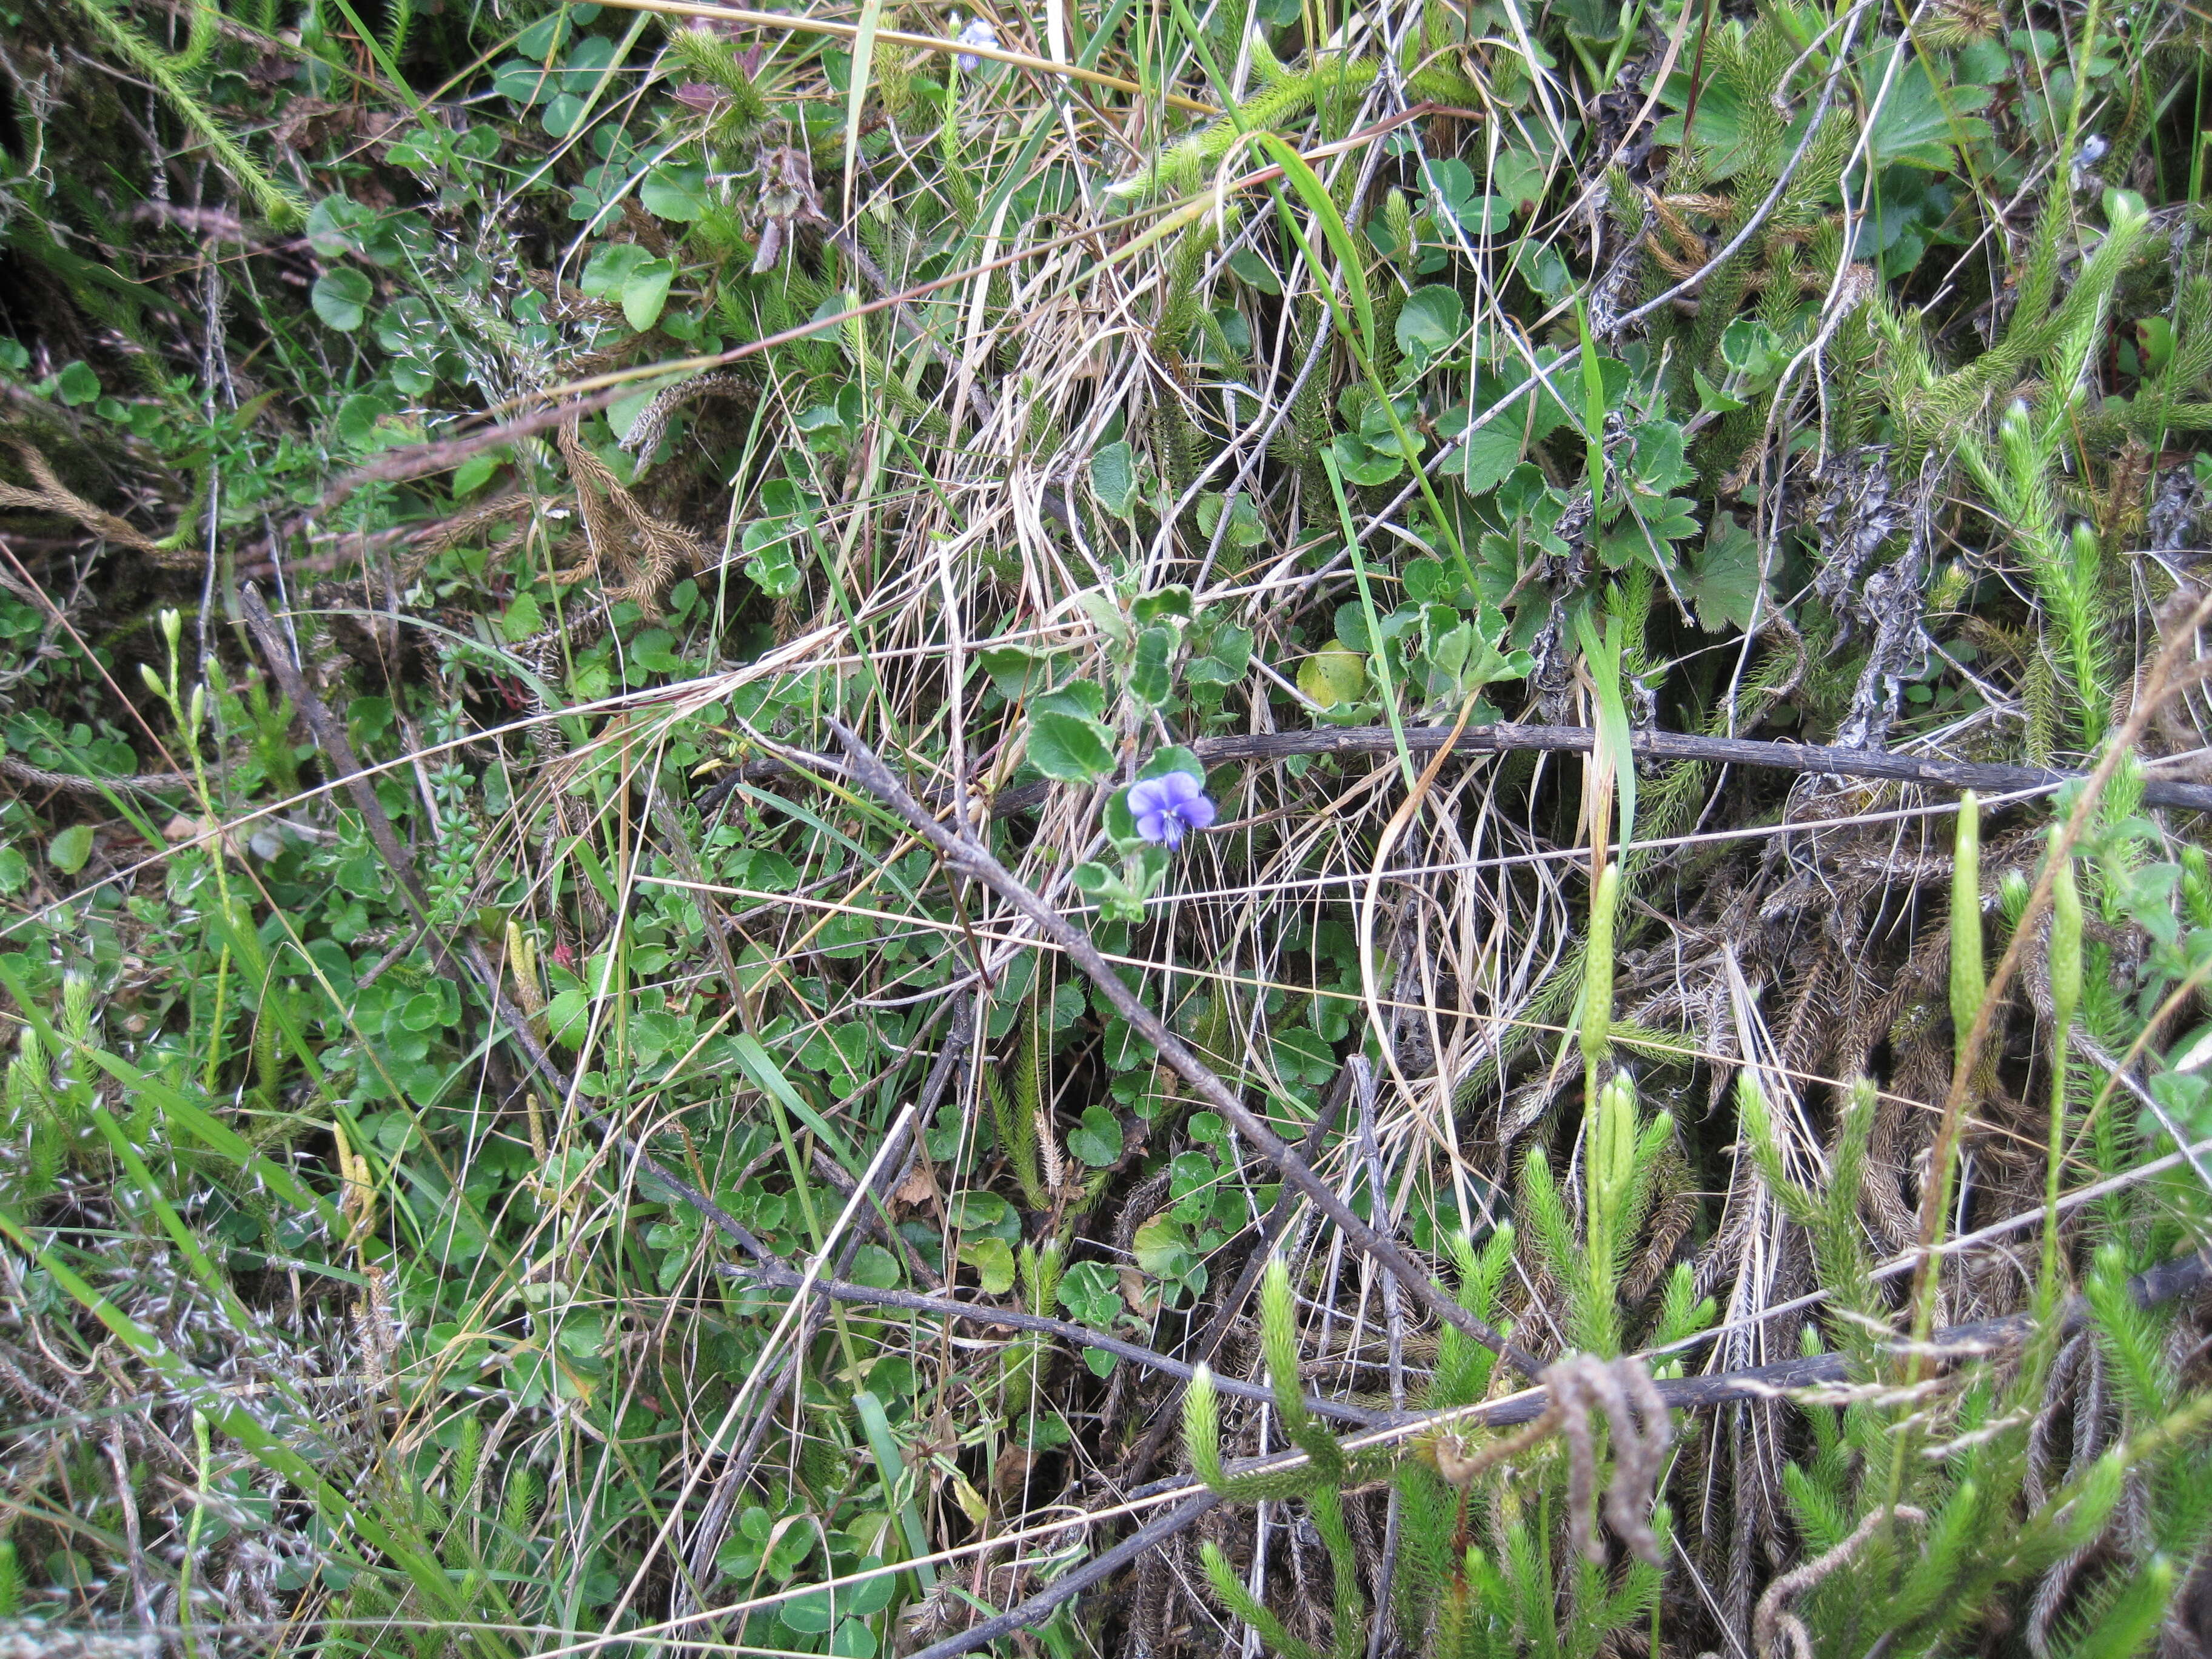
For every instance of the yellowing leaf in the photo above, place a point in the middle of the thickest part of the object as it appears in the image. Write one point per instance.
(1334, 678)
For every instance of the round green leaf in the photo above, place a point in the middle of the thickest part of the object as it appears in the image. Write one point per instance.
(1092, 1293)
(671, 191)
(1098, 1142)
(992, 1259)
(78, 385)
(875, 1265)
(340, 298)
(338, 226)
(68, 851)
(357, 418)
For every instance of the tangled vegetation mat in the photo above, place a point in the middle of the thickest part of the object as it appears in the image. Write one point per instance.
(1213, 827)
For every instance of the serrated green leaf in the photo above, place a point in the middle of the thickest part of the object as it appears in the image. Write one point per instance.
(1912, 124)
(1161, 605)
(1492, 451)
(523, 618)
(1016, 670)
(1069, 748)
(1086, 698)
(1150, 676)
(1722, 584)
(1430, 322)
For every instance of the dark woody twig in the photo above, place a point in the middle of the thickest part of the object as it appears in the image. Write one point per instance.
(1032, 1612)
(1265, 747)
(1083, 1336)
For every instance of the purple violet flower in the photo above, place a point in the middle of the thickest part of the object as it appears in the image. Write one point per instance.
(978, 32)
(1166, 806)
